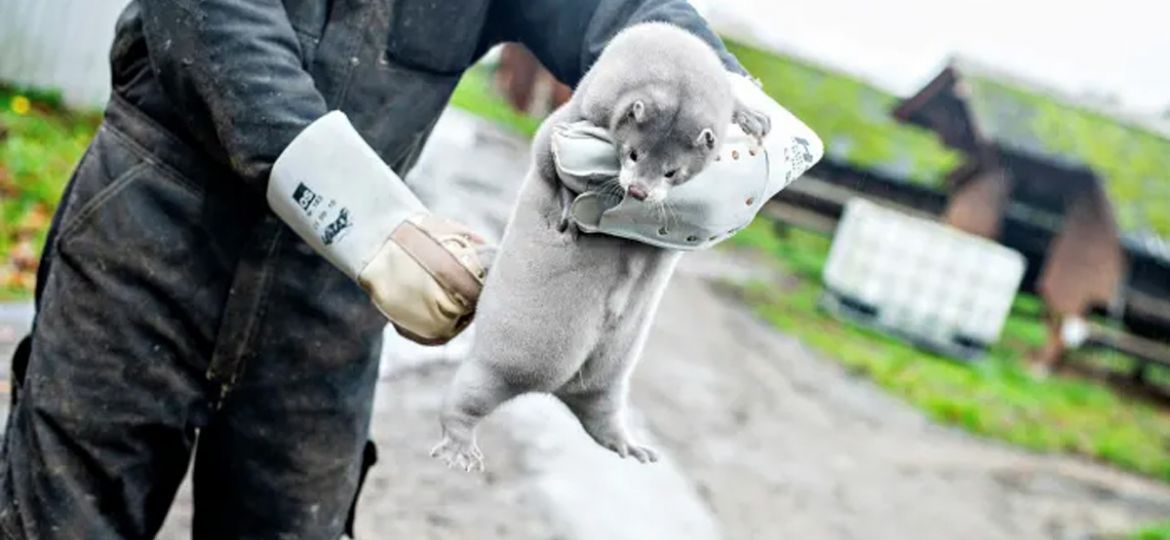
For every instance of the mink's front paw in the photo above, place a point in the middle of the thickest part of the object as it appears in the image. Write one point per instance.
(752, 122)
(567, 226)
(568, 229)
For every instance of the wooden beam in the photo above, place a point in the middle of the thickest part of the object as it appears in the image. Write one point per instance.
(800, 217)
(1144, 350)
(837, 196)
(906, 110)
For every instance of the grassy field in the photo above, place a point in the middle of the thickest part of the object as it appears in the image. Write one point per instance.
(475, 94)
(40, 142)
(997, 398)
(1154, 532)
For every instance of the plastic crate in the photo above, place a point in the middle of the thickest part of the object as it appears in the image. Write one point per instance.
(926, 282)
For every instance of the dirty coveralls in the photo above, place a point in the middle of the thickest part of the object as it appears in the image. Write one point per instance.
(172, 303)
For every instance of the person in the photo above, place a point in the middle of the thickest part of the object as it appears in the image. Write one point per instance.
(231, 246)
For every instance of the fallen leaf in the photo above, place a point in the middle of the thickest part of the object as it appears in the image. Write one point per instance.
(7, 186)
(27, 280)
(24, 255)
(9, 278)
(34, 221)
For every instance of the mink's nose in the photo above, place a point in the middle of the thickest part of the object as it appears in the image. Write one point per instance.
(636, 191)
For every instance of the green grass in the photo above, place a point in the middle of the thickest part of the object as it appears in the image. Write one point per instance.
(476, 95)
(1154, 532)
(997, 398)
(853, 118)
(38, 150)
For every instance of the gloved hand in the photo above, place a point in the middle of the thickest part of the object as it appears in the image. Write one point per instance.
(711, 207)
(423, 272)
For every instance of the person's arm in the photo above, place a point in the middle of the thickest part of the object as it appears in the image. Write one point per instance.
(238, 64)
(567, 36)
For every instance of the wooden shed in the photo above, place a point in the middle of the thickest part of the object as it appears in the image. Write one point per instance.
(1091, 179)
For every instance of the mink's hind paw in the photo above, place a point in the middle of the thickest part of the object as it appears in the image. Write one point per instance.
(625, 448)
(611, 436)
(456, 454)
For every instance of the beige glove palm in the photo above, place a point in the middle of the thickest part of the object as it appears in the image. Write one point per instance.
(427, 278)
(423, 272)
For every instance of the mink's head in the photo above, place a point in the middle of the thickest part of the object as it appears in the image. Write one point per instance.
(661, 145)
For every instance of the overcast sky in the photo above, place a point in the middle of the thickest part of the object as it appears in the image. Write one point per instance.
(1119, 47)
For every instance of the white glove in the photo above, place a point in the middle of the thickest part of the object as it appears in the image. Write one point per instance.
(786, 129)
(423, 272)
(712, 206)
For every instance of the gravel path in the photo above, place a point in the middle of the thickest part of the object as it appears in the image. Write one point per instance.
(762, 438)
(784, 444)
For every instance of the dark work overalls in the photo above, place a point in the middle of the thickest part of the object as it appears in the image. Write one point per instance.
(172, 304)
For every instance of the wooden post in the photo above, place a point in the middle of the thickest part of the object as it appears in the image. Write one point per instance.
(977, 206)
(1084, 265)
(526, 84)
(516, 75)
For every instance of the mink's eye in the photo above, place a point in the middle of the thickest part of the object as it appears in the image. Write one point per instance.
(671, 173)
(633, 155)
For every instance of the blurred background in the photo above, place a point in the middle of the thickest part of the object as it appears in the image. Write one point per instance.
(957, 325)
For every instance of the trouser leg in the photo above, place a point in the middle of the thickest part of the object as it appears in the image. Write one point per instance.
(112, 388)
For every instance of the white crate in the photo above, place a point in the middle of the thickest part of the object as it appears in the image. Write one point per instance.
(933, 284)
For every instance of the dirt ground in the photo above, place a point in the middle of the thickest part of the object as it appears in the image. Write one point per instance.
(762, 438)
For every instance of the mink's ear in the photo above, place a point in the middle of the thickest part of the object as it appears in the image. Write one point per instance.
(637, 111)
(706, 139)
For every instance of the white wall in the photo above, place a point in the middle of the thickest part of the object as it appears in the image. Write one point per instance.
(59, 44)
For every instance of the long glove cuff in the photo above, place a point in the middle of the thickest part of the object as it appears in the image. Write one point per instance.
(338, 194)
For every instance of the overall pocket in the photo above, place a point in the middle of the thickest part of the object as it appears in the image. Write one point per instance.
(142, 259)
(116, 164)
